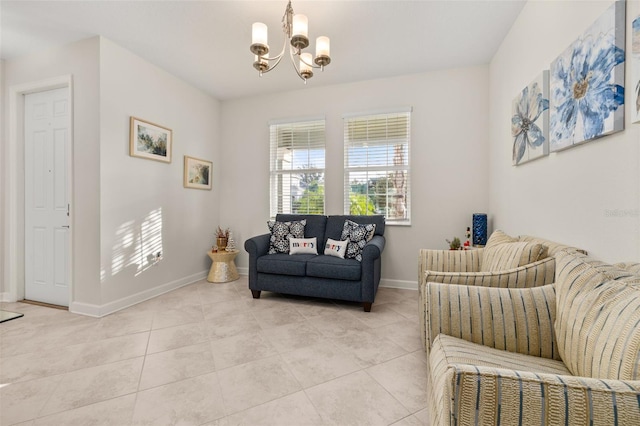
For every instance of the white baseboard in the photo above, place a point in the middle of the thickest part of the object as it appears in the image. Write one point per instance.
(125, 302)
(243, 270)
(405, 285)
(6, 297)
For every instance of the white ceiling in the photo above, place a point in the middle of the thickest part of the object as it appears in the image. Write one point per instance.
(207, 43)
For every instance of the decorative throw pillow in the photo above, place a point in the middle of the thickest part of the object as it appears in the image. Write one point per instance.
(505, 256)
(499, 237)
(303, 245)
(336, 248)
(358, 236)
(281, 232)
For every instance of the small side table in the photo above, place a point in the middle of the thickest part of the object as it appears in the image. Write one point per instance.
(223, 268)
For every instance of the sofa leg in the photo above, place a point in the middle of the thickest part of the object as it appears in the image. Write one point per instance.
(366, 306)
(255, 294)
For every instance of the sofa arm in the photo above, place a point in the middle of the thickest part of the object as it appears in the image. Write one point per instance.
(487, 395)
(256, 247)
(449, 260)
(371, 269)
(374, 248)
(516, 320)
(534, 274)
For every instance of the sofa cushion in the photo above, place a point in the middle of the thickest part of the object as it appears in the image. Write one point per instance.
(333, 267)
(281, 232)
(501, 257)
(284, 264)
(633, 267)
(551, 245)
(598, 319)
(358, 236)
(449, 353)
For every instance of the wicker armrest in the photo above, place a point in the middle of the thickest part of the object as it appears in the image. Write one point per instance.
(486, 395)
(517, 320)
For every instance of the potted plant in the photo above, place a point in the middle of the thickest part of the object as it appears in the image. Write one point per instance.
(454, 244)
(222, 237)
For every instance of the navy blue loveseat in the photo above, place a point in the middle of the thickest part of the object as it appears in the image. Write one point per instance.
(318, 275)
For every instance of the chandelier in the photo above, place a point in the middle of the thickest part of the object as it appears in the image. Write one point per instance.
(295, 28)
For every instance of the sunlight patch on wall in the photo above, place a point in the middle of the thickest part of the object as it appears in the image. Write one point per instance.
(138, 245)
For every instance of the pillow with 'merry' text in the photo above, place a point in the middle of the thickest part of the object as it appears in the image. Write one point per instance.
(336, 248)
(303, 246)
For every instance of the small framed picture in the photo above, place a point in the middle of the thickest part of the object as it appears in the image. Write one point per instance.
(197, 173)
(151, 141)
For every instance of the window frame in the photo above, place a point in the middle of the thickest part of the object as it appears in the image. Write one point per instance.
(348, 120)
(277, 194)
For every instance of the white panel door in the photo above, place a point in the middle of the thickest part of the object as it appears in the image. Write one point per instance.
(47, 145)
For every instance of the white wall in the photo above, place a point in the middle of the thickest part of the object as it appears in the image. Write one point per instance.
(3, 154)
(119, 202)
(81, 60)
(449, 156)
(588, 195)
(144, 206)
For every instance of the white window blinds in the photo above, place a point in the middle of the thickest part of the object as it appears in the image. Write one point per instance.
(376, 159)
(297, 167)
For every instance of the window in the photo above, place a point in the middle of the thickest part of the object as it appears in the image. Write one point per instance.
(376, 161)
(297, 167)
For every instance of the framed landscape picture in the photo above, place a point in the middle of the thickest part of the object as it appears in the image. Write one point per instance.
(151, 141)
(197, 173)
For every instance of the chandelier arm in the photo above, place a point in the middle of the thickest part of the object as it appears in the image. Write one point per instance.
(279, 56)
(275, 64)
(293, 62)
(311, 65)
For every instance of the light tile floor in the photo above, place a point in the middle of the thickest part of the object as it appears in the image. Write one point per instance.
(209, 354)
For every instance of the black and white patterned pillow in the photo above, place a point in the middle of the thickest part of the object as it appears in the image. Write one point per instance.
(281, 232)
(358, 236)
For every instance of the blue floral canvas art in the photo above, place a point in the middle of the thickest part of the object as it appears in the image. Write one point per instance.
(587, 83)
(529, 121)
(635, 78)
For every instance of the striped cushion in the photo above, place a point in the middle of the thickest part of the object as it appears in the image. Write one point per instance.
(552, 245)
(598, 327)
(471, 384)
(449, 353)
(633, 267)
(498, 237)
(517, 320)
(501, 257)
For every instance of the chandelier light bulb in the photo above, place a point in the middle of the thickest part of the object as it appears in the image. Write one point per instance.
(259, 33)
(300, 25)
(305, 65)
(322, 46)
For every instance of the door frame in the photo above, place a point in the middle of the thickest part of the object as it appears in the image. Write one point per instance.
(14, 262)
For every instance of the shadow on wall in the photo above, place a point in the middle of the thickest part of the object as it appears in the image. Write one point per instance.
(138, 246)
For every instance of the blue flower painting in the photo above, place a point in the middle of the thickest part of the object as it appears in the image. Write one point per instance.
(587, 83)
(635, 78)
(530, 115)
